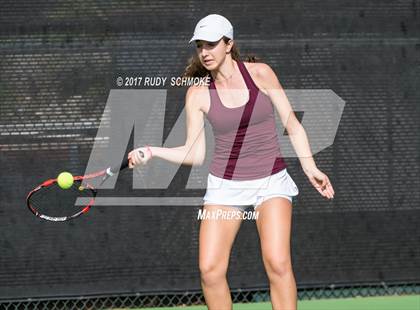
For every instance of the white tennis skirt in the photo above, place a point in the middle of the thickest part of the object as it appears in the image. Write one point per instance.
(238, 193)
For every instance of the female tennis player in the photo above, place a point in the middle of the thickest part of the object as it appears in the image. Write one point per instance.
(247, 167)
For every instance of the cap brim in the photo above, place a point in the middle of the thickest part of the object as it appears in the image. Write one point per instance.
(206, 37)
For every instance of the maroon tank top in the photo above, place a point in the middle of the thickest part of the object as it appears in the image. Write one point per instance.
(246, 141)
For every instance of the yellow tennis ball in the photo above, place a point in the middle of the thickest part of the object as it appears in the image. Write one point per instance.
(65, 180)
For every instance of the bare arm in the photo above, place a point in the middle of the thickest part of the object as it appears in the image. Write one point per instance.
(295, 130)
(288, 118)
(194, 149)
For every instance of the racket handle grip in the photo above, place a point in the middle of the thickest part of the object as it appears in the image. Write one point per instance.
(124, 164)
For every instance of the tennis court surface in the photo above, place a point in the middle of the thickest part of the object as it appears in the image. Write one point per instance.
(358, 303)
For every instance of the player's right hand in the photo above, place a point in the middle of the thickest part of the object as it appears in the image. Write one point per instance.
(139, 156)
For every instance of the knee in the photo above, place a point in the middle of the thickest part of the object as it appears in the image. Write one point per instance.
(278, 267)
(212, 274)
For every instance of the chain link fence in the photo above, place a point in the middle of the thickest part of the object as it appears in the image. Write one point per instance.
(173, 299)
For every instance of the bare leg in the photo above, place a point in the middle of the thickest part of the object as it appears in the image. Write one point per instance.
(215, 243)
(274, 226)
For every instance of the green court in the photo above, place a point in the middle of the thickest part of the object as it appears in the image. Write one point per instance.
(410, 302)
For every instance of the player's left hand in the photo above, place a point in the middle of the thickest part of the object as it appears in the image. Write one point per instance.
(321, 182)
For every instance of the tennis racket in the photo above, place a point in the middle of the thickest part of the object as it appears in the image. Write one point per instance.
(50, 202)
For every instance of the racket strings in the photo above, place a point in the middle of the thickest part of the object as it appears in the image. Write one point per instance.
(38, 197)
(57, 202)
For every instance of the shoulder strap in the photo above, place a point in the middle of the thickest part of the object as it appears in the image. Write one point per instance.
(247, 77)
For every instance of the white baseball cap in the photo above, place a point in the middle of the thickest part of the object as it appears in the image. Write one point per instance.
(212, 28)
